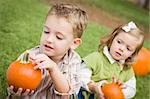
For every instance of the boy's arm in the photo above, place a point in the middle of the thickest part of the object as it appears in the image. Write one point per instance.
(130, 88)
(72, 75)
(60, 82)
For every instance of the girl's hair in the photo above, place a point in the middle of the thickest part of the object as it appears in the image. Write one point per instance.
(74, 15)
(107, 41)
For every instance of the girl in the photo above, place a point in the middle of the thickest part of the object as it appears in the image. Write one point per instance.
(112, 63)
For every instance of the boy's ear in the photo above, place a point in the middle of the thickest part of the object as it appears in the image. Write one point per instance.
(76, 42)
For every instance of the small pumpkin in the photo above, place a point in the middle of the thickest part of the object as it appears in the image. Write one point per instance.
(112, 91)
(142, 64)
(21, 74)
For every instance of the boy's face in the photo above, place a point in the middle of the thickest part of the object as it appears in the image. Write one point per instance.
(123, 46)
(57, 37)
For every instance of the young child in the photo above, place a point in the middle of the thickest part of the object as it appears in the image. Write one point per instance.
(112, 63)
(55, 55)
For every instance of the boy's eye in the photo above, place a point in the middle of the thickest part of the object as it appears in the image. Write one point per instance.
(60, 38)
(46, 32)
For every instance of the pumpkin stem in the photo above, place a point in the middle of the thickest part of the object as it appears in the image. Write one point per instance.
(25, 58)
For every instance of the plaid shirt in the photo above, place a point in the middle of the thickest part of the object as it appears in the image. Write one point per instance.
(69, 66)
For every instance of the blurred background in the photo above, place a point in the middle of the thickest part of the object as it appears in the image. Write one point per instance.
(21, 23)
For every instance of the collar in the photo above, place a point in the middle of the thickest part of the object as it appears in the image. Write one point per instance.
(67, 56)
(107, 54)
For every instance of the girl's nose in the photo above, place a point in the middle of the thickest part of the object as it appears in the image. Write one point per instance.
(121, 50)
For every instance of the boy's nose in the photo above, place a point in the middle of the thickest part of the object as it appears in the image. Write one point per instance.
(50, 38)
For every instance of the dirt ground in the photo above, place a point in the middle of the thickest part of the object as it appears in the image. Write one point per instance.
(96, 14)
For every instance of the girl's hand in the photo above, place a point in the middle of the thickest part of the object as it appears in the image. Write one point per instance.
(98, 90)
(42, 61)
(120, 83)
(100, 84)
(19, 91)
(99, 93)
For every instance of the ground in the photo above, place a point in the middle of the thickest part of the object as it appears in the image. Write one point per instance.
(97, 15)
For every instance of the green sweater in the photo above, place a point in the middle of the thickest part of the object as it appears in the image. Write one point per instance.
(102, 69)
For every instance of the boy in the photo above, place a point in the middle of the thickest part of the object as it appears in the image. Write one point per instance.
(55, 55)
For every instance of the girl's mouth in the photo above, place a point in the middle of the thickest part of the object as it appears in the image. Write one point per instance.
(118, 54)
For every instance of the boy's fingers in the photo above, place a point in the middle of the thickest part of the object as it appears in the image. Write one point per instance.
(10, 90)
(31, 92)
(26, 92)
(41, 66)
(19, 91)
(32, 56)
(36, 67)
(40, 56)
(32, 60)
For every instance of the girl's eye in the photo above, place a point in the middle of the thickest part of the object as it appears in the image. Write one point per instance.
(128, 49)
(47, 32)
(119, 42)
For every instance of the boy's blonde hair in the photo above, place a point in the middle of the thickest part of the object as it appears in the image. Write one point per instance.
(107, 41)
(74, 15)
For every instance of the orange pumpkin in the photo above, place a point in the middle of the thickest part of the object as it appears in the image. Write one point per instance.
(21, 74)
(112, 91)
(142, 64)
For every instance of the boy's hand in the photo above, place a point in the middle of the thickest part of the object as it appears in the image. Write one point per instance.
(43, 61)
(19, 91)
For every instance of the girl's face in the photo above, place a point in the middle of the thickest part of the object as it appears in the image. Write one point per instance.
(57, 37)
(123, 46)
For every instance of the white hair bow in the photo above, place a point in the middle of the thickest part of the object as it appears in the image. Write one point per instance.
(131, 25)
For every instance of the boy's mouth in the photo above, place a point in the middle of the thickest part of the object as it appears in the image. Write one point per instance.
(48, 46)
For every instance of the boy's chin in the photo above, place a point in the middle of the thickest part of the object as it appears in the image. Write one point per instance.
(47, 53)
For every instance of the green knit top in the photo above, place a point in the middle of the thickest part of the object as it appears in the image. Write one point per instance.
(102, 69)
